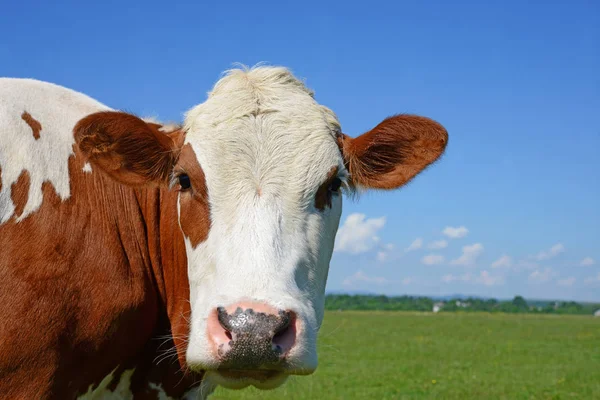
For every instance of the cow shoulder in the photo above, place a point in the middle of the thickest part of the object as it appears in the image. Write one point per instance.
(36, 142)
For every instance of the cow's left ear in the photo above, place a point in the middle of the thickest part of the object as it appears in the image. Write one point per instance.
(127, 148)
(394, 152)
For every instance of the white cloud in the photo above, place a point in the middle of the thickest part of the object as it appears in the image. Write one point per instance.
(503, 262)
(384, 253)
(449, 278)
(469, 256)
(358, 234)
(360, 276)
(415, 245)
(489, 280)
(527, 264)
(592, 280)
(566, 282)
(455, 233)
(551, 253)
(452, 278)
(543, 275)
(432, 259)
(438, 244)
(586, 262)
(407, 281)
(484, 278)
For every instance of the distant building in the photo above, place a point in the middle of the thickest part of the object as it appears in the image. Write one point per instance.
(437, 307)
(597, 313)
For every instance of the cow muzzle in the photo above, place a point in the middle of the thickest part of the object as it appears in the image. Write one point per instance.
(252, 342)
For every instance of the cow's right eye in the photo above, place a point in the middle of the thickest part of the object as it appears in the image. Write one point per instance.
(184, 181)
(335, 185)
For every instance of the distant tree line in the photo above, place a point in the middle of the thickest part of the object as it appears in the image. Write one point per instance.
(411, 303)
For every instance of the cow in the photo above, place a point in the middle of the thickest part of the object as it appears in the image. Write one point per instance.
(141, 260)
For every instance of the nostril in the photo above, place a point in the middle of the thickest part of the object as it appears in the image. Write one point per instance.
(285, 336)
(219, 335)
(224, 320)
(285, 323)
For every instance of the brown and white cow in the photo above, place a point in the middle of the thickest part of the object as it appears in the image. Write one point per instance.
(139, 260)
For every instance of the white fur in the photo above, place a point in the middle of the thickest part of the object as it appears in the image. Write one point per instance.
(87, 168)
(162, 395)
(101, 392)
(265, 146)
(200, 392)
(123, 390)
(57, 109)
(193, 394)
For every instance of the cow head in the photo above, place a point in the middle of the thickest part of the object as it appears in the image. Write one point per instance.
(260, 168)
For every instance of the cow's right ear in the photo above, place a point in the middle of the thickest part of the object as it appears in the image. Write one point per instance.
(128, 149)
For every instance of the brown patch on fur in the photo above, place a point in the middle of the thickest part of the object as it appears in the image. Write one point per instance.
(81, 281)
(35, 126)
(194, 206)
(323, 197)
(169, 261)
(108, 261)
(394, 152)
(130, 150)
(19, 192)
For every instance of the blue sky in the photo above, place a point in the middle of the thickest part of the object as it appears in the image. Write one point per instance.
(516, 84)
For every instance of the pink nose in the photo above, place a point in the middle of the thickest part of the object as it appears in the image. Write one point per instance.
(251, 335)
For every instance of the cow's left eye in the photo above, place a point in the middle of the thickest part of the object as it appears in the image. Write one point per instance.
(184, 181)
(335, 185)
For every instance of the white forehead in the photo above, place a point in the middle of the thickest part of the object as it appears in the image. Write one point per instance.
(261, 131)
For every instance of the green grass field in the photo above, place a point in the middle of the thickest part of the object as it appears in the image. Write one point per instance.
(398, 355)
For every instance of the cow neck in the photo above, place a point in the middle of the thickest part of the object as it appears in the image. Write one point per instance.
(168, 260)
